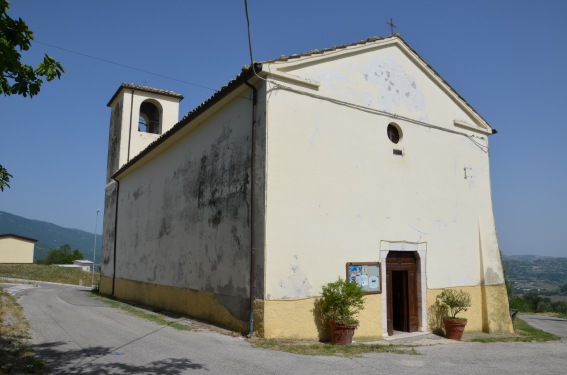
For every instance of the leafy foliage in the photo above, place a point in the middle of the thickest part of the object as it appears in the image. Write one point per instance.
(435, 315)
(15, 77)
(62, 255)
(18, 78)
(4, 177)
(455, 301)
(532, 302)
(341, 301)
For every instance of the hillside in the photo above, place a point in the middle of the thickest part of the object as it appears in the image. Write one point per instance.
(50, 235)
(540, 274)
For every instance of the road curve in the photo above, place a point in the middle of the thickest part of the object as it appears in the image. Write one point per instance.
(80, 335)
(550, 324)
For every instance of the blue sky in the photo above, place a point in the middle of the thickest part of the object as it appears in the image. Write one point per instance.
(506, 58)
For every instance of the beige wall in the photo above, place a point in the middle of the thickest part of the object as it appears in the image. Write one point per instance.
(336, 193)
(335, 190)
(16, 250)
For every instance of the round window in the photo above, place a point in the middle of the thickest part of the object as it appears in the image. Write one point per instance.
(394, 133)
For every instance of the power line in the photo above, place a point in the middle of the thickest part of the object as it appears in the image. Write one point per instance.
(250, 41)
(125, 66)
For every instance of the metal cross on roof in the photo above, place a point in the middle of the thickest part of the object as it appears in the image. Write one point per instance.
(392, 26)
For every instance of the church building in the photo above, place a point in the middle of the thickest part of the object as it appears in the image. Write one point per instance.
(359, 161)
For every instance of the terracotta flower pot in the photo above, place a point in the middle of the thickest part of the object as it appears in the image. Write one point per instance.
(342, 333)
(454, 328)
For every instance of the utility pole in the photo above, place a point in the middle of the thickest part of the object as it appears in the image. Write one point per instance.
(94, 248)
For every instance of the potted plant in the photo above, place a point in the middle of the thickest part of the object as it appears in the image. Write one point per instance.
(339, 304)
(455, 302)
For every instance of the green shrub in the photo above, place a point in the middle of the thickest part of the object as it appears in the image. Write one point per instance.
(455, 301)
(521, 305)
(341, 301)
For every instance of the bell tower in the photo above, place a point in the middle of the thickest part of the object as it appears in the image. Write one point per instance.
(139, 116)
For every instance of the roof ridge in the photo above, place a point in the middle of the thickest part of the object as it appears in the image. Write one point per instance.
(331, 49)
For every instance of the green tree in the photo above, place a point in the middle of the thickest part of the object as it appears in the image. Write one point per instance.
(533, 299)
(560, 307)
(544, 305)
(17, 78)
(563, 289)
(4, 178)
(62, 255)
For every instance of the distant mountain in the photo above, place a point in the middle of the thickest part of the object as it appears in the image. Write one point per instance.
(527, 257)
(541, 274)
(50, 236)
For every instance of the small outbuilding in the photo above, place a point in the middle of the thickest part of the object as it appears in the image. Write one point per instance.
(85, 265)
(16, 249)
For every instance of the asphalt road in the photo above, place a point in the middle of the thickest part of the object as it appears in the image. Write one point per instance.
(79, 335)
(556, 326)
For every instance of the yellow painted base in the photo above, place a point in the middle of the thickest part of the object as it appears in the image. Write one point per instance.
(199, 305)
(489, 311)
(296, 319)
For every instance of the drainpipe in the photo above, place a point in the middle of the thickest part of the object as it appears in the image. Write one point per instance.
(252, 216)
(115, 235)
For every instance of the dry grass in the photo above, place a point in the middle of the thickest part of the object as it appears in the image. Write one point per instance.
(51, 273)
(16, 356)
(308, 348)
(524, 333)
(144, 314)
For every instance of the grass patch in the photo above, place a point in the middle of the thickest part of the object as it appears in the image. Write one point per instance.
(524, 333)
(141, 313)
(353, 350)
(16, 355)
(50, 273)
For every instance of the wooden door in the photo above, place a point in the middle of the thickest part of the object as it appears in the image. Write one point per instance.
(413, 320)
(389, 302)
(401, 278)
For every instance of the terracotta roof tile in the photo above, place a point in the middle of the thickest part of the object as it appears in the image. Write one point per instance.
(145, 89)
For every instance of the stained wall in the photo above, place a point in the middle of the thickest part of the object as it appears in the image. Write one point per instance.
(183, 220)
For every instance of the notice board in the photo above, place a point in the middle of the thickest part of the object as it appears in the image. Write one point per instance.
(365, 274)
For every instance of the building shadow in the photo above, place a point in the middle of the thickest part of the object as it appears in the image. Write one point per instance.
(323, 329)
(103, 360)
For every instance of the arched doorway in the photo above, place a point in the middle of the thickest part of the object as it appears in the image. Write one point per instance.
(401, 281)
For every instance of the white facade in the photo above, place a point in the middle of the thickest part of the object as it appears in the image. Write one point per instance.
(355, 195)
